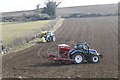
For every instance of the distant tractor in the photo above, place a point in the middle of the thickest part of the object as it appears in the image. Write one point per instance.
(77, 55)
(49, 36)
(46, 36)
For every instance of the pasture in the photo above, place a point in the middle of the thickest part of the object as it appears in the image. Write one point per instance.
(11, 31)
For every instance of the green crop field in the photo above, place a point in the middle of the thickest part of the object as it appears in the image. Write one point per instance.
(11, 31)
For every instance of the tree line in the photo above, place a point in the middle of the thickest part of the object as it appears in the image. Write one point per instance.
(45, 13)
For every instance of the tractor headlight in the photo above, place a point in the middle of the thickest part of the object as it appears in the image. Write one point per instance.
(98, 54)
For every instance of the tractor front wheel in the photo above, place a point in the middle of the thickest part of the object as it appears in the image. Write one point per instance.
(94, 59)
(78, 58)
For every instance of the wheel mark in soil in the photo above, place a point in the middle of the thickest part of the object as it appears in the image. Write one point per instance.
(47, 51)
(41, 50)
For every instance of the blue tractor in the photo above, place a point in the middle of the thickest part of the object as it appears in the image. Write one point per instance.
(50, 36)
(77, 55)
(81, 52)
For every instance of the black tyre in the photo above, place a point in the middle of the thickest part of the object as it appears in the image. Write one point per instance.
(94, 59)
(48, 39)
(53, 38)
(78, 58)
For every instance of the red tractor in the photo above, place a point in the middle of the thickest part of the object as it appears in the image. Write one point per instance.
(78, 54)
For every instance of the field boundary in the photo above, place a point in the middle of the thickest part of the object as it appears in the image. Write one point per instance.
(58, 24)
(52, 27)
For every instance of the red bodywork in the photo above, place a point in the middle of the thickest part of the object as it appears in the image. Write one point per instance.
(62, 54)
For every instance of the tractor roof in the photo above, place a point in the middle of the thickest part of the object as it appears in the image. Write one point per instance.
(63, 45)
(81, 43)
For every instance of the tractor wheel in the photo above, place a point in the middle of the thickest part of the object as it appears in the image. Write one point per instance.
(94, 59)
(78, 58)
(48, 39)
(53, 38)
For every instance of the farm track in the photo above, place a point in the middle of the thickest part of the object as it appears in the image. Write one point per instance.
(101, 33)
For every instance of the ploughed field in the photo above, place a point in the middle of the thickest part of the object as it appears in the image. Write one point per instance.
(101, 33)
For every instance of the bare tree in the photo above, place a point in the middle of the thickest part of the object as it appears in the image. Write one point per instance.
(50, 8)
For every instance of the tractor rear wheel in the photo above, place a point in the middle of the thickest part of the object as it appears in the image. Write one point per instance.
(53, 38)
(94, 59)
(78, 58)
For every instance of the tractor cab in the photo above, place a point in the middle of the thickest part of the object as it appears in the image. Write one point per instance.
(50, 33)
(84, 47)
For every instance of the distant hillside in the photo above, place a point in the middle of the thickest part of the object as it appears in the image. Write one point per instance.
(28, 15)
(102, 9)
(18, 13)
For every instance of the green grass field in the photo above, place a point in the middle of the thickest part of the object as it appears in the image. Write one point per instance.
(11, 31)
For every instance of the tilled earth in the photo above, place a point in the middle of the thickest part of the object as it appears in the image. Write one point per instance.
(101, 33)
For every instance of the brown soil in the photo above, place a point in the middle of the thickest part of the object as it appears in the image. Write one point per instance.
(101, 33)
(97, 9)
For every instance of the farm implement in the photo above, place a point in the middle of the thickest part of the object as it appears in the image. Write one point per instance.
(79, 54)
